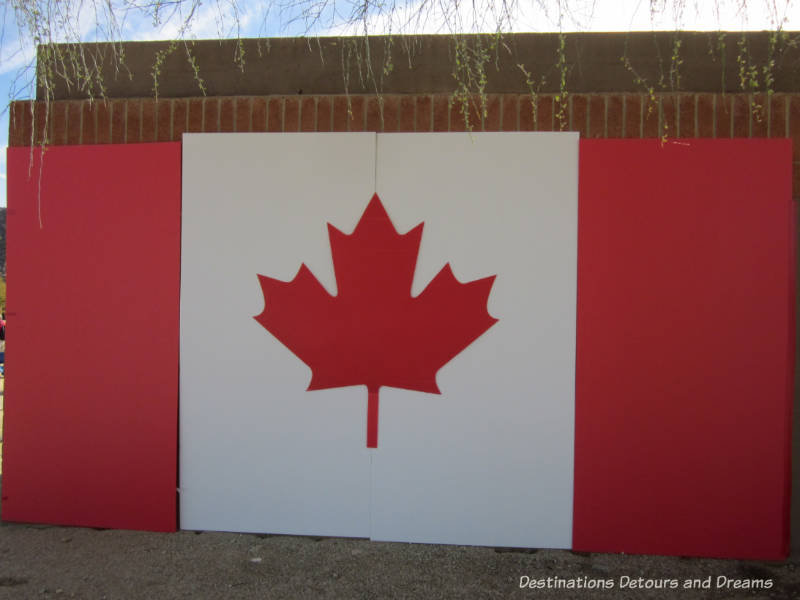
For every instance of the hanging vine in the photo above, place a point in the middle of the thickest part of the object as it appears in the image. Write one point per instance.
(76, 44)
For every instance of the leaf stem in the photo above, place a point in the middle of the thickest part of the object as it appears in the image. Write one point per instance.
(372, 417)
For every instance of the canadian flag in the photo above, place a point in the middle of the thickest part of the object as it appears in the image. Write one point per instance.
(502, 339)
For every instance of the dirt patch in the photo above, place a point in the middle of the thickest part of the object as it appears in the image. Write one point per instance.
(74, 562)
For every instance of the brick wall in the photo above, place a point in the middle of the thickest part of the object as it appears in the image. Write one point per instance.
(613, 115)
(136, 120)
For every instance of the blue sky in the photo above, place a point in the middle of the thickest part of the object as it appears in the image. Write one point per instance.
(217, 18)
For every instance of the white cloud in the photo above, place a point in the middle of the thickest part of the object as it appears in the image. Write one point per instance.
(212, 20)
(433, 16)
(18, 50)
(13, 59)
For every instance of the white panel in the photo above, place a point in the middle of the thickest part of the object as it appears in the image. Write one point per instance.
(257, 451)
(490, 461)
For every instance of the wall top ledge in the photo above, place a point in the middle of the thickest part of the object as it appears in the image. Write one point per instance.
(423, 64)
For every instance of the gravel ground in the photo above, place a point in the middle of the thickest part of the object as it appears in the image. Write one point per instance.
(71, 562)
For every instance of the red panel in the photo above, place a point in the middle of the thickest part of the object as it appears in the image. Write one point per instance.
(92, 364)
(685, 351)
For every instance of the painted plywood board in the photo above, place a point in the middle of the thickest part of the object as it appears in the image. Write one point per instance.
(490, 460)
(685, 348)
(90, 432)
(258, 451)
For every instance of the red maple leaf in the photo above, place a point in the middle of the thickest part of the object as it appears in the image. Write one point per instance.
(373, 332)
